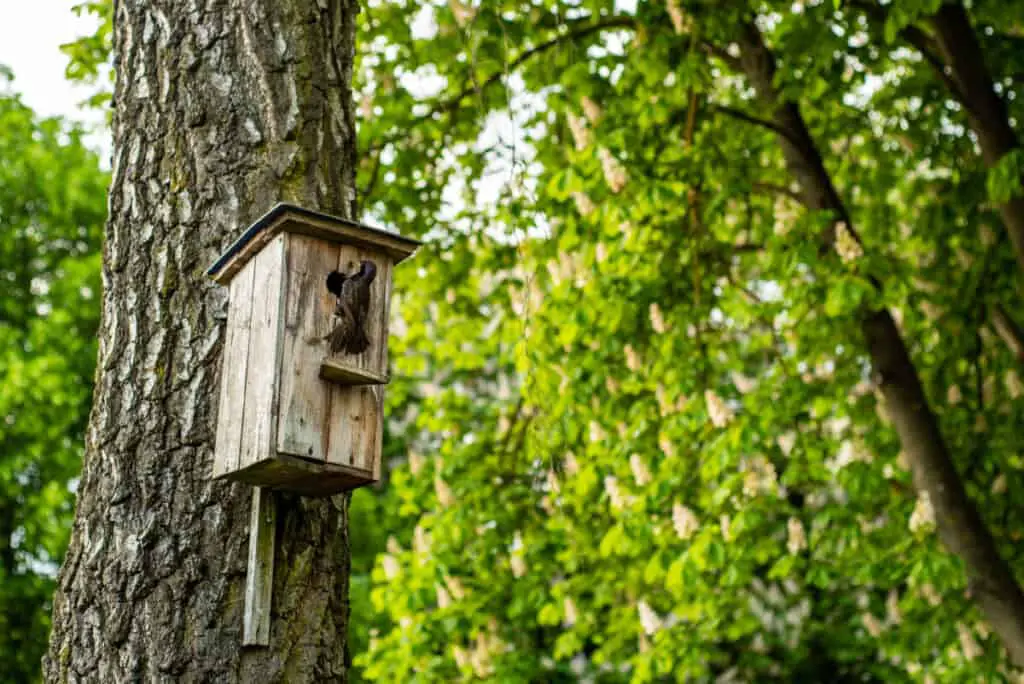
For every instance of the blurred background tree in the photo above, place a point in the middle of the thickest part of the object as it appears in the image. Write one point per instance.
(52, 208)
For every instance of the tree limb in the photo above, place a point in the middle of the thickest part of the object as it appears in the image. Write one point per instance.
(960, 526)
(622, 22)
(749, 118)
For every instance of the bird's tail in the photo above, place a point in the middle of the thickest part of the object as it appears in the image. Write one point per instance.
(358, 342)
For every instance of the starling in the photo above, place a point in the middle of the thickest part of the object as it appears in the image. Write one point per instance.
(352, 309)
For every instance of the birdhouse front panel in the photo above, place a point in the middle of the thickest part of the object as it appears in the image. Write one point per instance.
(305, 356)
(323, 415)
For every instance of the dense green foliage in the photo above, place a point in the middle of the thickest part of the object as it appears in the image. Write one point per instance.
(51, 210)
(644, 443)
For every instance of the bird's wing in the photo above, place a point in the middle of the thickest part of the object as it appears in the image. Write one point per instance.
(344, 326)
(352, 296)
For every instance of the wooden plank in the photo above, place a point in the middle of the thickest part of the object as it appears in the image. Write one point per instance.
(233, 374)
(259, 577)
(340, 373)
(355, 412)
(374, 359)
(373, 454)
(309, 310)
(291, 219)
(354, 424)
(303, 476)
(259, 423)
(387, 278)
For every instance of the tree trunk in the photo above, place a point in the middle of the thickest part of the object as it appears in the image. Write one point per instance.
(221, 109)
(960, 527)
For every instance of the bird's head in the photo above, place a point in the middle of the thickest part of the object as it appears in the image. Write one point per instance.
(367, 270)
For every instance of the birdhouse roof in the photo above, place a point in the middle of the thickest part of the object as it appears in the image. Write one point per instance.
(294, 219)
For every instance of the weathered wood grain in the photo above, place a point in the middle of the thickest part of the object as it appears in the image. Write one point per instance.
(260, 411)
(303, 476)
(234, 368)
(341, 373)
(309, 307)
(353, 426)
(259, 576)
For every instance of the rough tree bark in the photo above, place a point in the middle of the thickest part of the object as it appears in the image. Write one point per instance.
(960, 526)
(221, 109)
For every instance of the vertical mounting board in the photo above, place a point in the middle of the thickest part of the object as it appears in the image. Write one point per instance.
(259, 576)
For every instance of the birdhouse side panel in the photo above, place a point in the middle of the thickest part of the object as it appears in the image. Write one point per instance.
(259, 415)
(234, 362)
(309, 312)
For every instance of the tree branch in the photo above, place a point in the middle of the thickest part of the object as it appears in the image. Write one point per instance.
(960, 526)
(622, 22)
(955, 56)
(749, 118)
(925, 44)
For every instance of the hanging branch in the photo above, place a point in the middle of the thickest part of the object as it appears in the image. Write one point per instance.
(960, 526)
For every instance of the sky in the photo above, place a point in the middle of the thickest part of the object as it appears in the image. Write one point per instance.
(31, 33)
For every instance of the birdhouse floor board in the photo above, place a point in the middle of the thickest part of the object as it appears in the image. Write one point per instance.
(303, 476)
(342, 373)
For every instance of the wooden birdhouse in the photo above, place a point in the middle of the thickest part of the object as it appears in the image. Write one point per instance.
(304, 366)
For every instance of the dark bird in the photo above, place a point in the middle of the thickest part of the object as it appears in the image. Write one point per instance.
(352, 309)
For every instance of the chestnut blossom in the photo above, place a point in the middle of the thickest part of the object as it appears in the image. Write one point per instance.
(580, 132)
(719, 413)
(923, 516)
(743, 384)
(591, 109)
(680, 21)
(641, 474)
(443, 598)
(1014, 386)
(872, 624)
(569, 609)
(657, 319)
(390, 565)
(649, 619)
(444, 493)
(892, 608)
(583, 204)
(846, 244)
(614, 173)
(968, 645)
(786, 442)
(633, 362)
(797, 538)
(615, 496)
(684, 521)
